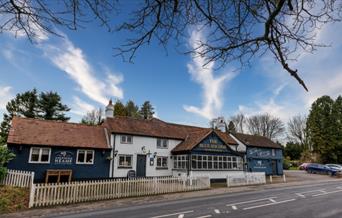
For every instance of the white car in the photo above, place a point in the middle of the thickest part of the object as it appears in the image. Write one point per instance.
(335, 167)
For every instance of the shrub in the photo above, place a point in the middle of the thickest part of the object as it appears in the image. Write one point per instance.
(5, 156)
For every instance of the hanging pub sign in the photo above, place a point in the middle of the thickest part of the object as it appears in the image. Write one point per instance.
(63, 157)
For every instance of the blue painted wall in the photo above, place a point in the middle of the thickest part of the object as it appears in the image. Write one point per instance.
(260, 160)
(98, 170)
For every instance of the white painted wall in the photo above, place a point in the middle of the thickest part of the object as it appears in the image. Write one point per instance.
(241, 147)
(214, 174)
(135, 148)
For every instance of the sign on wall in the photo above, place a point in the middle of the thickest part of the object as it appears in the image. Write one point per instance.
(212, 144)
(63, 157)
(259, 152)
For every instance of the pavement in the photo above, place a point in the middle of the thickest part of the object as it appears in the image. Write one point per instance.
(304, 195)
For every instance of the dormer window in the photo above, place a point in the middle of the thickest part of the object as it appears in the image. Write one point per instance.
(126, 139)
(162, 143)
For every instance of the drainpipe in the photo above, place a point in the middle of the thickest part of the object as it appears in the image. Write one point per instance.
(113, 164)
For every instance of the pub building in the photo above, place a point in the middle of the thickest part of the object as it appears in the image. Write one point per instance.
(124, 147)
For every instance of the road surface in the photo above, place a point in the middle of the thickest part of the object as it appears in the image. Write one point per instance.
(316, 200)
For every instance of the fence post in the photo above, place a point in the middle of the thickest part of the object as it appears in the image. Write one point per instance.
(32, 193)
(284, 178)
(271, 179)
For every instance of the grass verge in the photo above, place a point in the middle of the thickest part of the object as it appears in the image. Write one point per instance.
(13, 199)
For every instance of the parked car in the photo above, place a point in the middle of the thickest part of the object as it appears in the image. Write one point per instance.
(321, 169)
(335, 167)
(303, 166)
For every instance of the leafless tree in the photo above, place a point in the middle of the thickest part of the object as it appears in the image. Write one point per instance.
(93, 117)
(296, 130)
(237, 30)
(265, 125)
(239, 121)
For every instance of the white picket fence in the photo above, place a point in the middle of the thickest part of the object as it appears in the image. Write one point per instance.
(246, 178)
(73, 192)
(18, 178)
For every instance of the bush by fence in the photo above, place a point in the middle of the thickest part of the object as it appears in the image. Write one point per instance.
(73, 192)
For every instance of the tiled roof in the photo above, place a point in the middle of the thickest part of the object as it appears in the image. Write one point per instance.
(256, 141)
(56, 133)
(153, 127)
(194, 138)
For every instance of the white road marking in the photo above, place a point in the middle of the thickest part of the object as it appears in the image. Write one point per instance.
(234, 207)
(301, 194)
(264, 205)
(173, 214)
(217, 211)
(246, 202)
(206, 216)
(181, 215)
(272, 200)
(326, 193)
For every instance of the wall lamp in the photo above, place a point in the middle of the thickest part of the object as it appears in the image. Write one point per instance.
(154, 154)
(116, 153)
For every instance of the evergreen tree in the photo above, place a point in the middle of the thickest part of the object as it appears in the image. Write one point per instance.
(231, 127)
(51, 108)
(119, 109)
(337, 129)
(132, 110)
(321, 129)
(293, 150)
(31, 105)
(25, 105)
(146, 110)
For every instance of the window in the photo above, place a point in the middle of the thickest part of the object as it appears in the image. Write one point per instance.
(180, 162)
(273, 152)
(214, 162)
(162, 162)
(126, 139)
(85, 157)
(125, 161)
(162, 143)
(40, 155)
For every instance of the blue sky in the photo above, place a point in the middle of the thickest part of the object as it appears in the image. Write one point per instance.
(80, 66)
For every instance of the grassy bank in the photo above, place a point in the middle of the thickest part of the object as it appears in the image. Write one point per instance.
(13, 199)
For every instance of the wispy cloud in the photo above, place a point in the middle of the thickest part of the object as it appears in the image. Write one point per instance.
(212, 85)
(80, 107)
(71, 59)
(5, 96)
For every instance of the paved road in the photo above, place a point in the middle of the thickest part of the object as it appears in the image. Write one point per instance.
(316, 200)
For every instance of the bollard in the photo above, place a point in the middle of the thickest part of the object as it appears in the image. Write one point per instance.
(284, 177)
(271, 179)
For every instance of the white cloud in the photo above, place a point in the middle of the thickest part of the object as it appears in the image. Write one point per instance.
(204, 75)
(5, 96)
(81, 107)
(72, 61)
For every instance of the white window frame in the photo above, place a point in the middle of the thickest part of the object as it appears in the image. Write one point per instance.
(125, 155)
(39, 156)
(126, 141)
(167, 162)
(85, 156)
(162, 143)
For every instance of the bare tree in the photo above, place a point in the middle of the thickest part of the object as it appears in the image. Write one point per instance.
(296, 130)
(239, 121)
(93, 117)
(265, 125)
(237, 30)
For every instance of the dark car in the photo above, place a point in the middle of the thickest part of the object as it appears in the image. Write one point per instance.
(321, 169)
